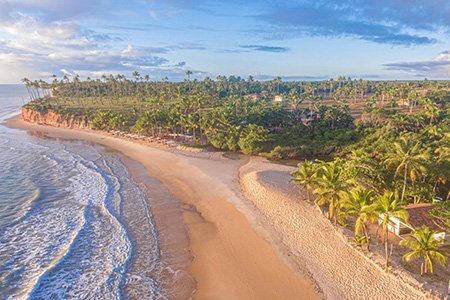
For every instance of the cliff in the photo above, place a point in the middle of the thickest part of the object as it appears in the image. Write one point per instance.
(54, 119)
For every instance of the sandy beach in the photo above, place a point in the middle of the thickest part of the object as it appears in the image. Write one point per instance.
(234, 254)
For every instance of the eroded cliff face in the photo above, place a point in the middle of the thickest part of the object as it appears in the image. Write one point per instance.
(54, 119)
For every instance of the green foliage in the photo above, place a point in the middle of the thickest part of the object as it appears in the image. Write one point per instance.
(219, 140)
(306, 176)
(441, 211)
(225, 139)
(151, 120)
(108, 121)
(409, 157)
(425, 246)
(252, 138)
(331, 187)
(366, 171)
(360, 240)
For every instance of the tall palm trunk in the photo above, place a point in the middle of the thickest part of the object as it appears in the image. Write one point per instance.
(404, 182)
(386, 239)
(367, 237)
(425, 265)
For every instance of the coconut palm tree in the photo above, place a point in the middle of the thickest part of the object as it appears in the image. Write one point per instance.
(306, 176)
(188, 74)
(423, 245)
(358, 203)
(432, 110)
(409, 156)
(332, 187)
(388, 206)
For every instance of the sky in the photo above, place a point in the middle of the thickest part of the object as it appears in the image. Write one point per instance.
(296, 40)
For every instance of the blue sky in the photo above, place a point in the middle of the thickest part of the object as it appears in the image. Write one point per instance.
(298, 39)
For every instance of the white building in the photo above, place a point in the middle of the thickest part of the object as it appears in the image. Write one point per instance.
(278, 98)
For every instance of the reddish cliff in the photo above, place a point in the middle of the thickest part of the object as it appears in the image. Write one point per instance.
(54, 119)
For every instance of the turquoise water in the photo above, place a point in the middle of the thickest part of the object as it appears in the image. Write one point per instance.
(62, 211)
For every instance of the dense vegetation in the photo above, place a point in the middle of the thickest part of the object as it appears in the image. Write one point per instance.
(310, 119)
(382, 144)
(389, 134)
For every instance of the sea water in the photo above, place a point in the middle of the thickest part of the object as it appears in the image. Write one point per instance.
(62, 210)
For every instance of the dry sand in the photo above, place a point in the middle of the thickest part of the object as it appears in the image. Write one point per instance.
(231, 258)
(340, 271)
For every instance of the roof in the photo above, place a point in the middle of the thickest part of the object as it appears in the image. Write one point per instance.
(419, 216)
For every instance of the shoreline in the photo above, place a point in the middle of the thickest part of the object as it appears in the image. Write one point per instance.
(171, 268)
(231, 258)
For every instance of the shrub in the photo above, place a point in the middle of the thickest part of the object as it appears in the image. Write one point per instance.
(252, 138)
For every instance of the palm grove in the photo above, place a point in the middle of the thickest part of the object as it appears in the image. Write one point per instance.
(381, 144)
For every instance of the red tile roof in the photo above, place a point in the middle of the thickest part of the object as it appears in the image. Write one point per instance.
(419, 216)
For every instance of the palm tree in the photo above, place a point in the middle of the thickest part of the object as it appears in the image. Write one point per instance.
(358, 203)
(432, 110)
(188, 74)
(388, 206)
(332, 188)
(408, 156)
(306, 176)
(295, 99)
(277, 81)
(423, 245)
(27, 83)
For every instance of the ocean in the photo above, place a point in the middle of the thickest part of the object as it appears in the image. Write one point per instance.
(67, 210)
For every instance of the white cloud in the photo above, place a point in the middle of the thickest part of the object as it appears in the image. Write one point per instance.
(39, 46)
(438, 67)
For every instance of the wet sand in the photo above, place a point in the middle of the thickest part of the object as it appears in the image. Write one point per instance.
(169, 270)
(231, 257)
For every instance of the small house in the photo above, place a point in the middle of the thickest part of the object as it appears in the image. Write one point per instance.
(278, 98)
(403, 102)
(418, 216)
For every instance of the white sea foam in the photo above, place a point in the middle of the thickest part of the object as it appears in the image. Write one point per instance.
(96, 261)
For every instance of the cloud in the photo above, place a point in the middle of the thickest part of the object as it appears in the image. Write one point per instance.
(262, 48)
(39, 45)
(381, 21)
(396, 22)
(91, 63)
(180, 64)
(438, 67)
